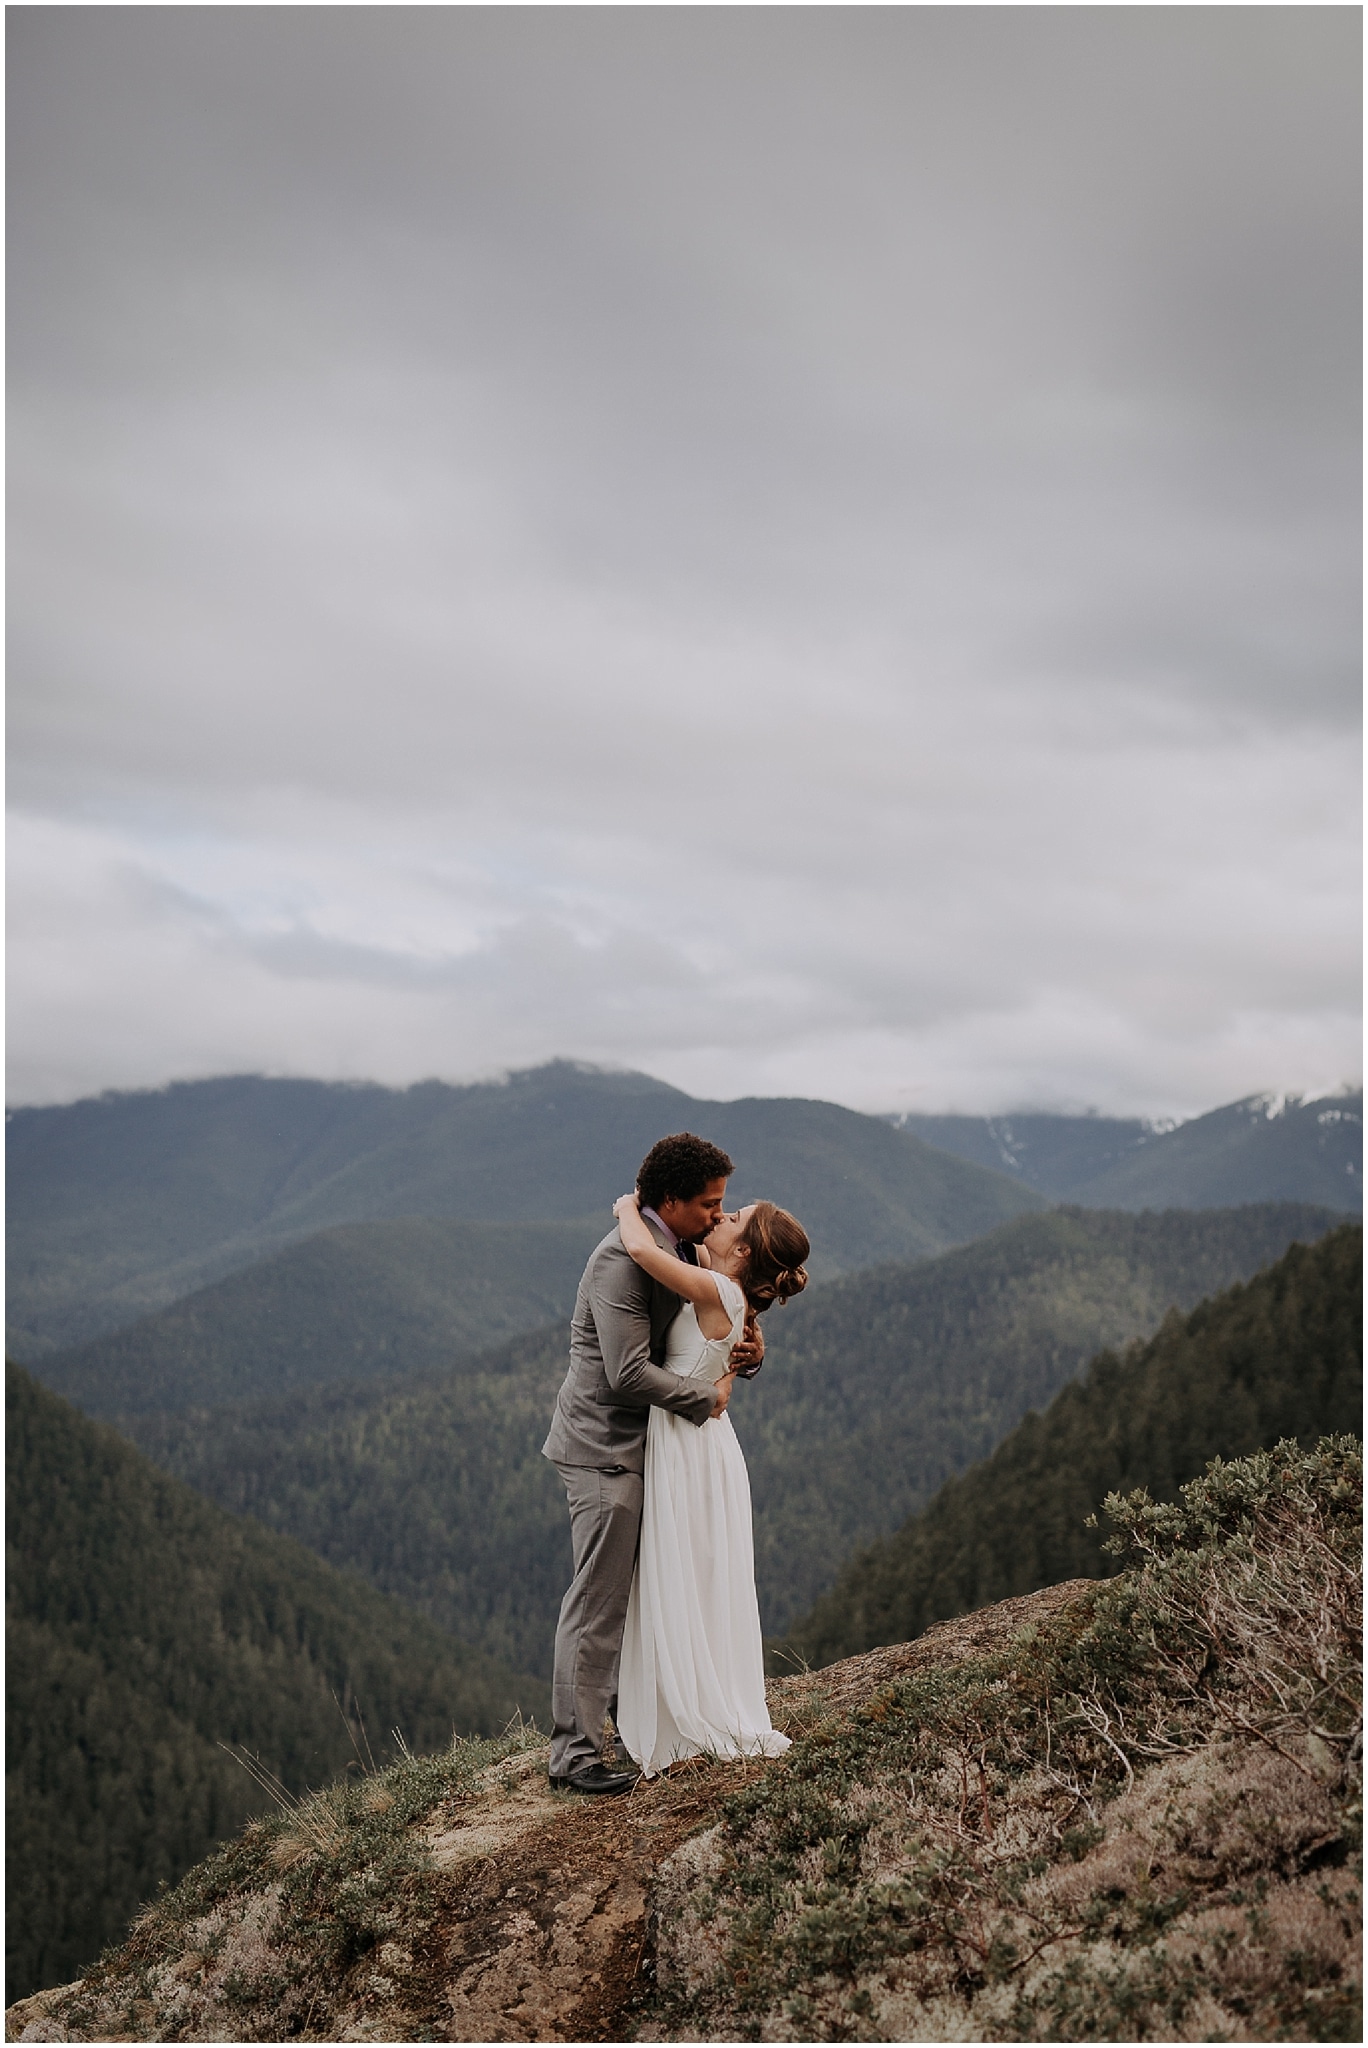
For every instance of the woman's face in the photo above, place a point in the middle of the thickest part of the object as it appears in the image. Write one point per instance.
(721, 1238)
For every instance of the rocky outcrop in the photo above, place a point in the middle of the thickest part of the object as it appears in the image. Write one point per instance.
(1114, 1812)
(541, 1929)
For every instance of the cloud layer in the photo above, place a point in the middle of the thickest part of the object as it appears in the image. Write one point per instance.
(801, 550)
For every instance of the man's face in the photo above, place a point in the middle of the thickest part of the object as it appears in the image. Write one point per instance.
(692, 1220)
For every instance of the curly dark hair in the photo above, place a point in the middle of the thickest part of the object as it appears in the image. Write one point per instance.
(680, 1166)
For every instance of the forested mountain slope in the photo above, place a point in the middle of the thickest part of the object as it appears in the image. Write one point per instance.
(433, 1485)
(383, 1300)
(145, 1626)
(1278, 1357)
(365, 1301)
(877, 1387)
(1258, 1150)
(121, 1205)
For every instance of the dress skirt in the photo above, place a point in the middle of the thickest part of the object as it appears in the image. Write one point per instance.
(692, 1676)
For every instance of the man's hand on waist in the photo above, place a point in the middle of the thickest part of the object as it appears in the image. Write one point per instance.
(721, 1395)
(748, 1355)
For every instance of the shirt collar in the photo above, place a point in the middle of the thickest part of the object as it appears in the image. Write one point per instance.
(674, 1241)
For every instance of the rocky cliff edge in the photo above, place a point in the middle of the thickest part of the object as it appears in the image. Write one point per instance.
(1117, 1810)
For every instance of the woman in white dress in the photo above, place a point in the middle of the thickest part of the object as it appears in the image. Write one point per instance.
(692, 1673)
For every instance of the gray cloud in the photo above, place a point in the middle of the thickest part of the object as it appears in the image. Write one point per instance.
(795, 548)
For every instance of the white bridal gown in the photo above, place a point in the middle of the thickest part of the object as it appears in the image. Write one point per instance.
(692, 1675)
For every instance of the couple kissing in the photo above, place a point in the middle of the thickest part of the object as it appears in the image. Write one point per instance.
(660, 1630)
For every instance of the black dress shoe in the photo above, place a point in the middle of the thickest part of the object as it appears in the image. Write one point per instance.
(595, 1778)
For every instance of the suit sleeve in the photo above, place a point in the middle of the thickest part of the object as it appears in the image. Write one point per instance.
(621, 1302)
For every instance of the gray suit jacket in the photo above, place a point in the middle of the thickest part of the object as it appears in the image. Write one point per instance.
(616, 1376)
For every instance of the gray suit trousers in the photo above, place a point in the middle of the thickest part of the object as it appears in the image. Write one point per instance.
(605, 1523)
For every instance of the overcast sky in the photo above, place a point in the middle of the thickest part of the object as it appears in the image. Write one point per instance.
(805, 551)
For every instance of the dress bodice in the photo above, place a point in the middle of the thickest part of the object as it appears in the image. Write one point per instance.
(694, 1356)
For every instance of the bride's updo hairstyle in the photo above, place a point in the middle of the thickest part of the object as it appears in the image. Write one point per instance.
(778, 1245)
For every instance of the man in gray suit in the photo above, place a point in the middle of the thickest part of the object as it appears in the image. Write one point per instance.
(598, 1440)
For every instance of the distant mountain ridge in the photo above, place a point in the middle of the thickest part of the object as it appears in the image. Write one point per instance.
(1265, 1148)
(145, 1626)
(877, 1387)
(1279, 1356)
(1259, 1149)
(1054, 1154)
(362, 1301)
(121, 1205)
